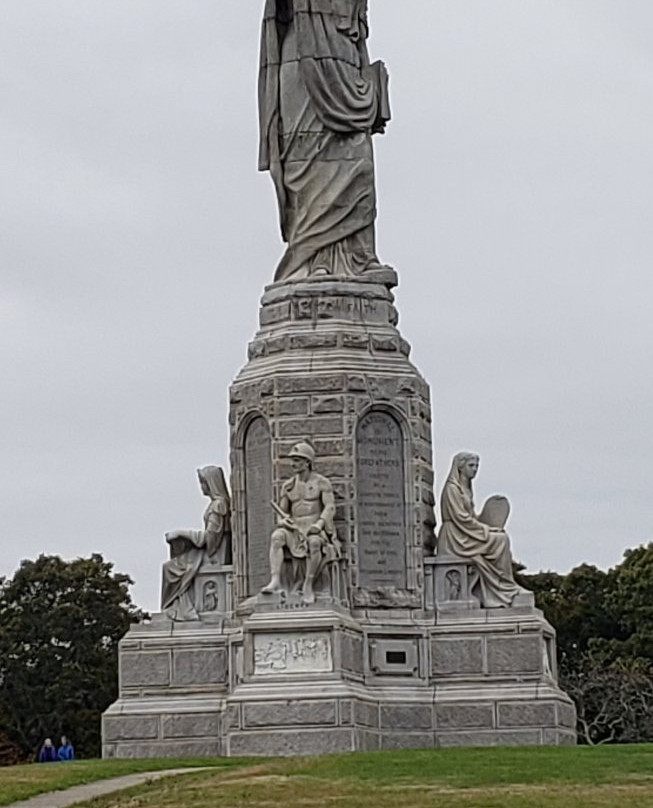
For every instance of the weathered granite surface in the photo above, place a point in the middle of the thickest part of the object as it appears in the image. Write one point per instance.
(331, 449)
(329, 366)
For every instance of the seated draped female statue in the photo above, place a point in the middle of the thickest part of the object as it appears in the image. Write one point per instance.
(189, 549)
(320, 103)
(481, 539)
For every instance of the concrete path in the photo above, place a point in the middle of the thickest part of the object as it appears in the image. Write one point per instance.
(70, 796)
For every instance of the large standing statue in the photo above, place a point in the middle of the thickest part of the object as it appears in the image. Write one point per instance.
(481, 539)
(305, 536)
(320, 102)
(190, 548)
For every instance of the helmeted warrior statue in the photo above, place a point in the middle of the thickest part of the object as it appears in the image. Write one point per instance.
(305, 538)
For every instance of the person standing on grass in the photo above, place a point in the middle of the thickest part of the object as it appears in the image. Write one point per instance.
(66, 751)
(47, 754)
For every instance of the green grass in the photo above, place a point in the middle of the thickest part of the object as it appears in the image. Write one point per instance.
(21, 782)
(605, 777)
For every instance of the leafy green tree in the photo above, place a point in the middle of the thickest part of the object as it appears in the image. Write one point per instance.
(60, 624)
(604, 624)
(580, 605)
(631, 599)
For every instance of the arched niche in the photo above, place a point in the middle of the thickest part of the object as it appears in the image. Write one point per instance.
(257, 447)
(381, 501)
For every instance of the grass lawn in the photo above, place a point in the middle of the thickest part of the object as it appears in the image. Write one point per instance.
(21, 782)
(609, 777)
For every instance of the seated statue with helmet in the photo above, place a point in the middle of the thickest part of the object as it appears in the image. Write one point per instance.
(304, 542)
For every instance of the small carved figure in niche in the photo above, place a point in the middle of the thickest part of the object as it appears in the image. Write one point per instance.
(454, 585)
(481, 539)
(210, 597)
(189, 549)
(305, 540)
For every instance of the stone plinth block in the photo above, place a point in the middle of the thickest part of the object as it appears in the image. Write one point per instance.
(145, 668)
(515, 655)
(291, 742)
(457, 656)
(288, 714)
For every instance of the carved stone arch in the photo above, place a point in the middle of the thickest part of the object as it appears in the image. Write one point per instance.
(382, 498)
(257, 517)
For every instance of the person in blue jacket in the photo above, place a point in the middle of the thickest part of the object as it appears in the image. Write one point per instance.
(66, 751)
(47, 753)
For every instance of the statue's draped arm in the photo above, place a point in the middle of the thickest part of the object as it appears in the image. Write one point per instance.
(455, 509)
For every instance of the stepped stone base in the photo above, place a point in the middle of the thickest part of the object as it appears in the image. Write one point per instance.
(396, 651)
(320, 680)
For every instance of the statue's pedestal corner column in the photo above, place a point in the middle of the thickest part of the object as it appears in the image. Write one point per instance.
(495, 679)
(173, 685)
(294, 696)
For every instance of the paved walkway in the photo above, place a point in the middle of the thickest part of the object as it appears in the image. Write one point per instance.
(62, 799)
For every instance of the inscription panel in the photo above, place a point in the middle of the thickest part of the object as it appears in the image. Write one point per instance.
(258, 493)
(292, 652)
(381, 502)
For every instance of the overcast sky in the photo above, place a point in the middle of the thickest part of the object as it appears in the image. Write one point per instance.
(136, 236)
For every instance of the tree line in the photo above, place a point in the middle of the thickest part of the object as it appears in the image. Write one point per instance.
(61, 621)
(60, 624)
(604, 625)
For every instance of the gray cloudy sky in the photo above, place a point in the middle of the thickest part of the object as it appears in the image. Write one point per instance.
(515, 196)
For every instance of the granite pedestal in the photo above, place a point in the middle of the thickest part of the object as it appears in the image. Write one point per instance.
(396, 652)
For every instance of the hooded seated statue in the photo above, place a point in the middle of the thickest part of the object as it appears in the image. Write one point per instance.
(189, 549)
(479, 539)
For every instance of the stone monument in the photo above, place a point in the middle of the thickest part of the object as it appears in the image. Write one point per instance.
(316, 612)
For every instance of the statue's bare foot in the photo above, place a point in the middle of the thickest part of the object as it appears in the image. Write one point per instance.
(272, 587)
(308, 595)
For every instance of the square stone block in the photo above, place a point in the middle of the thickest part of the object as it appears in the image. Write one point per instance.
(300, 742)
(527, 714)
(553, 737)
(351, 653)
(515, 655)
(317, 425)
(456, 656)
(197, 725)
(145, 669)
(293, 406)
(505, 738)
(463, 716)
(232, 716)
(367, 741)
(346, 714)
(366, 714)
(130, 728)
(202, 666)
(327, 404)
(406, 716)
(407, 740)
(566, 715)
(176, 749)
(289, 713)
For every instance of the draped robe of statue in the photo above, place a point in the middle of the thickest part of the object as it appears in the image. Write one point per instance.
(189, 549)
(463, 534)
(320, 101)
